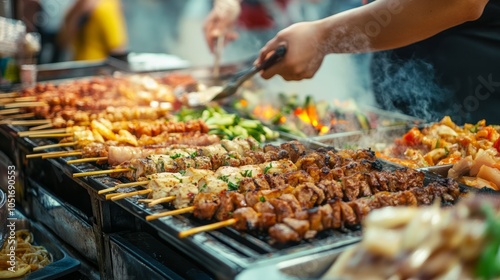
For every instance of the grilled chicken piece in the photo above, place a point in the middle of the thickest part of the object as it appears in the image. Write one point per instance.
(205, 205)
(311, 159)
(278, 166)
(232, 146)
(184, 194)
(315, 219)
(292, 201)
(261, 183)
(337, 214)
(196, 174)
(361, 207)
(269, 147)
(331, 189)
(246, 219)
(253, 198)
(327, 218)
(295, 150)
(309, 195)
(337, 173)
(247, 185)
(282, 209)
(355, 186)
(348, 216)
(297, 177)
(283, 233)
(299, 226)
(212, 184)
(267, 218)
(229, 201)
(216, 149)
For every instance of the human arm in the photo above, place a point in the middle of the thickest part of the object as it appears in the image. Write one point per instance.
(221, 21)
(381, 25)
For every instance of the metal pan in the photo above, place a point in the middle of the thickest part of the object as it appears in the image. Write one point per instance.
(62, 263)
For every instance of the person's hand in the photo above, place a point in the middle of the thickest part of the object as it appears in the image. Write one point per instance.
(221, 21)
(305, 52)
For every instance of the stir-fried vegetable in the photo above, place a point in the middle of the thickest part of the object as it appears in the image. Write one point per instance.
(229, 126)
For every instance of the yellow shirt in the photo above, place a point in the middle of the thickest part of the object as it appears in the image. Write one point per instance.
(103, 31)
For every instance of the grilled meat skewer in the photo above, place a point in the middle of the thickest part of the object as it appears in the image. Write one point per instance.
(285, 222)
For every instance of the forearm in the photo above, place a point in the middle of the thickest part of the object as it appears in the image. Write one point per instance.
(388, 24)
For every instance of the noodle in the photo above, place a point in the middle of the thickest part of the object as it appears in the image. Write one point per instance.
(28, 258)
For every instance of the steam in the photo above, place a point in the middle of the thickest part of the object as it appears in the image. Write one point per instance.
(409, 87)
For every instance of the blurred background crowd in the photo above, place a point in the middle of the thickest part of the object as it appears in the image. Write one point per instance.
(94, 29)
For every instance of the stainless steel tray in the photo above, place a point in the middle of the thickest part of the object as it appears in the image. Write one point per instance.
(376, 139)
(78, 69)
(307, 267)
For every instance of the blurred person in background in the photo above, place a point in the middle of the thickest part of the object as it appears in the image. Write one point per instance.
(248, 25)
(44, 17)
(94, 30)
(441, 57)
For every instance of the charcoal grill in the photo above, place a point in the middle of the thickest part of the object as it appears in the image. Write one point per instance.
(225, 253)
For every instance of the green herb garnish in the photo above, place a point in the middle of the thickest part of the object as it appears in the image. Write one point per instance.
(182, 172)
(232, 186)
(437, 144)
(193, 155)
(177, 155)
(180, 180)
(262, 199)
(246, 173)
(267, 168)
(224, 178)
(203, 187)
(160, 165)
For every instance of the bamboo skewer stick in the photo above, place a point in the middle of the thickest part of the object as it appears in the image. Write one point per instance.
(9, 94)
(43, 126)
(100, 172)
(30, 122)
(25, 104)
(132, 184)
(126, 185)
(10, 111)
(161, 200)
(44, 154)
(40, 148)
(25, 99)
(110, 195)
(130, 194)
(170, 213)
(86, 160)
(51, 135)
(66, 154)
(209, 227)
(7, 100)
(18, 116)
(35, 132)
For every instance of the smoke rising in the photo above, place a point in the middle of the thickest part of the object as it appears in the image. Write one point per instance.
(408, 86)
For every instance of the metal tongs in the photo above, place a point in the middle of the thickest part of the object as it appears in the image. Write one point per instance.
(217, 93)
(441, 170)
